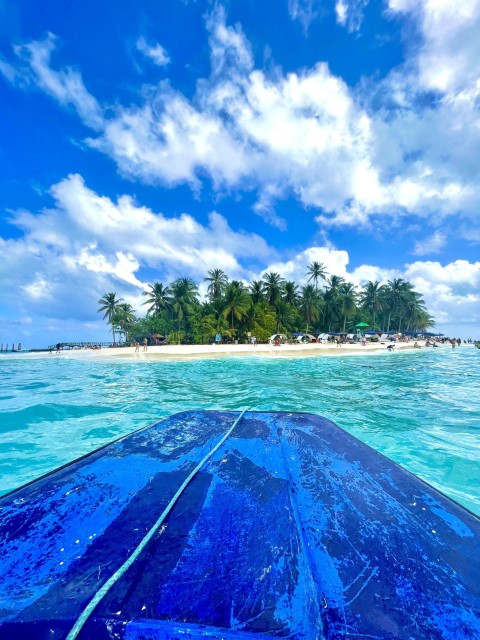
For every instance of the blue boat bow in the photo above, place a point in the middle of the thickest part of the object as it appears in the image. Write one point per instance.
(284, 526)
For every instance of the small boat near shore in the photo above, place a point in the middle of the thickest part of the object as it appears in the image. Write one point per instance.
(237, 525)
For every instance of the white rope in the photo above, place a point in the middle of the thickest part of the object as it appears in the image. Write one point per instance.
(101, 593)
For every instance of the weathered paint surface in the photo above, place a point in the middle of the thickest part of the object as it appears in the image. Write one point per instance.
(293, 529)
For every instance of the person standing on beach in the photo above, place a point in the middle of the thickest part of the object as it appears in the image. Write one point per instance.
(145, 344)
(137, 347)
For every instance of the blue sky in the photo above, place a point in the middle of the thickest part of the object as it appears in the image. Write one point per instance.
(140, 144)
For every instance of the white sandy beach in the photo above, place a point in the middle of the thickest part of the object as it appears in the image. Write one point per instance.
(203, 351)
(181, 352)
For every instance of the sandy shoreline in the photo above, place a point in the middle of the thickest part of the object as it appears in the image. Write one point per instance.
(201, 351)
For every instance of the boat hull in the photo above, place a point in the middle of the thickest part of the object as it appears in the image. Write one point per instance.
(291, 528)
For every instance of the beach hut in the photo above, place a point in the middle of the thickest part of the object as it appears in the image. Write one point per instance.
(308, 337)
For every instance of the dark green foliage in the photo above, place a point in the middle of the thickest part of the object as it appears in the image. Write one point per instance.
(264, 307)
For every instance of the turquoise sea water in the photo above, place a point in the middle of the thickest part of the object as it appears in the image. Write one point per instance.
(422, 409)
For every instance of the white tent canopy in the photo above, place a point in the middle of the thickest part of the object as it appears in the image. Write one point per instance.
(278, 336)
(306, 336)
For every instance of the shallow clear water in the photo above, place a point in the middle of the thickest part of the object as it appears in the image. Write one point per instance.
(422, 409)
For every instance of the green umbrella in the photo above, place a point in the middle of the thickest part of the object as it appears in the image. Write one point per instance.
(362, 324)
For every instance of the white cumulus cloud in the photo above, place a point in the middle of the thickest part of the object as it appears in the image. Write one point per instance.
(305, 11)
(381, 152)
(349, 13)
(65, 85)
(87, 244)
(451, 291)
(154, 52)
(448, 57)
(433, 244)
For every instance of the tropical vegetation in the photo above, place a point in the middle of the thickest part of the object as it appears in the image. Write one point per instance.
(235, 310)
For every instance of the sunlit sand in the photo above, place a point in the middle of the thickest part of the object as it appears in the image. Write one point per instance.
(167, 352)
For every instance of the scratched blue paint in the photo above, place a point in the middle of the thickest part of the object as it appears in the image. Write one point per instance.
(293, 528)
(452, 521)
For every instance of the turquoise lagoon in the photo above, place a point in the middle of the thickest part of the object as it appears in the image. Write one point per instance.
(421, 409)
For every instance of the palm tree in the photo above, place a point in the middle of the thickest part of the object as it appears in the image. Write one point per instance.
(407, 298)
(184, 298)
(371, 300)
(109, 303)
(272, 287)
(123, 318)
(347, 301)
(218, 281)
(210, 325)
(290, 293)
(332, 310)
(414, 308)
(330, 307)
(260, 319)
(317, 270)
(310, 302)
(395, 295)
(256, 291)
(285, 315)
(335, 282)
(237, 302)
(159, 298)
(423, 321)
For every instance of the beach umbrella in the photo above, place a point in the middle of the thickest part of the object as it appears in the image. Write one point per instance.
(362, 324)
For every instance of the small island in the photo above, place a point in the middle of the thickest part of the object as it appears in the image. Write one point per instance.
(254, 313)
